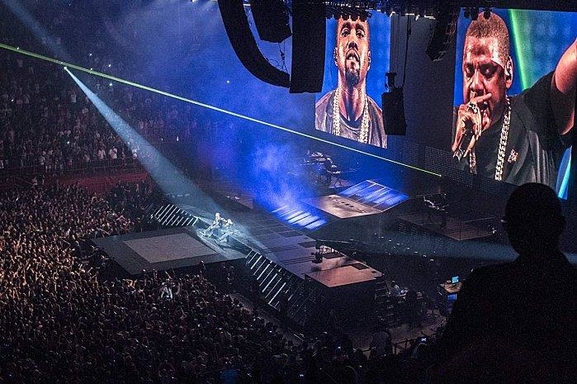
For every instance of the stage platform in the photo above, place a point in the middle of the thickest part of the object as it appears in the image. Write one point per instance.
(341, 207)
(253, 232)
(294, 251)
(164, 249)
(453, 228)
(342, 270)
(365, 198)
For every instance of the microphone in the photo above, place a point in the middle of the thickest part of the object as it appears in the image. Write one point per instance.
(464, 143)
(468, 134)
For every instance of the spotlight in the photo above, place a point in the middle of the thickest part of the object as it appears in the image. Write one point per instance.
(487, 13)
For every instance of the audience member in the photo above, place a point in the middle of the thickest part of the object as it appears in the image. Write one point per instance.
(517, 322)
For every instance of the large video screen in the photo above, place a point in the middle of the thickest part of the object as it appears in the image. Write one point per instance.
(512, 121)
(357, 58)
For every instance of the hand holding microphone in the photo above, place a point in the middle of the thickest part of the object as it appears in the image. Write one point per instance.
(469, 126)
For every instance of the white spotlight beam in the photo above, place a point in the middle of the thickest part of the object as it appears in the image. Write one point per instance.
(169, 178)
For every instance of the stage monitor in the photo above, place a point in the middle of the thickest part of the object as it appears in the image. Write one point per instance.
(357, 58)
(508, 123)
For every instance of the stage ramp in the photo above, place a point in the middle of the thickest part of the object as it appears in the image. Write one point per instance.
(368, 198)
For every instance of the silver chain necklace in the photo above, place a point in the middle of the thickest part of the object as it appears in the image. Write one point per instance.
(503, 142)
(502, 146)
(364, 133)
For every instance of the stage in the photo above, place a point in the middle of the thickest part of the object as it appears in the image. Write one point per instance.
(327, 252)
(253, 232)
(163, 249)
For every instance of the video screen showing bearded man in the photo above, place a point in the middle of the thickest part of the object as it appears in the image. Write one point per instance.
(520, 138)
(348, 111)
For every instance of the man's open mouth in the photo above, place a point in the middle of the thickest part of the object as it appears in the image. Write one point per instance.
(352, 55)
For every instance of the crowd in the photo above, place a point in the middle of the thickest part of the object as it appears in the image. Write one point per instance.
(48, 125)
(62, 319)
(61, 322)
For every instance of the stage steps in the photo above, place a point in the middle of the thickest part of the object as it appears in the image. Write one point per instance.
(170, 216)
(308, 296)
(280, 289)
(387, 308)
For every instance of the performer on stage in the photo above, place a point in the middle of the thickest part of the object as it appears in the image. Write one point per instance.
(220, 229)
(216, 224)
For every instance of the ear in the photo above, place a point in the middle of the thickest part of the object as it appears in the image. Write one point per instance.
(509, 72)
(369, 60)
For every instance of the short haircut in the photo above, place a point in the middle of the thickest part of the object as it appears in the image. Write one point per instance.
(495, 27)
(534, 205)
(350, 20)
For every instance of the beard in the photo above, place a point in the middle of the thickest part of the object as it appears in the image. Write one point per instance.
(353, 76)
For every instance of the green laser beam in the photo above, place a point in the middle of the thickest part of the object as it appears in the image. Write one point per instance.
(518, 18)
(248, 118)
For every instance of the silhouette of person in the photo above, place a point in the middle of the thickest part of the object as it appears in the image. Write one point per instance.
(414, 308)
(517, 322)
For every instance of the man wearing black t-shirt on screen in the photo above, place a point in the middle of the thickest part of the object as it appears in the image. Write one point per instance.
(520, 138)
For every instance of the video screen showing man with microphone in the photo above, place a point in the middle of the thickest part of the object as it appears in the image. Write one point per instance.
(517, 138)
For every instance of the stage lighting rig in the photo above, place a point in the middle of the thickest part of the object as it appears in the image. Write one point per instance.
(351, 9)
(431, 8)
(348, 10)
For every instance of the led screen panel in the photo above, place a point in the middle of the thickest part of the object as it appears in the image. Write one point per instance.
(357, 58)
(509, 124)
